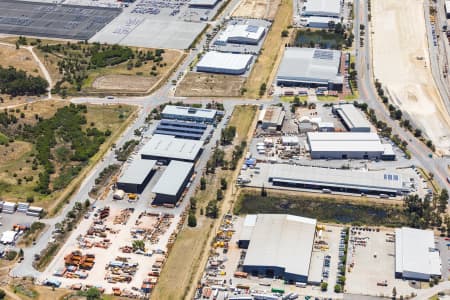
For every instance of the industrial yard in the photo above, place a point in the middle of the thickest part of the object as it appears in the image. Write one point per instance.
(411, 84)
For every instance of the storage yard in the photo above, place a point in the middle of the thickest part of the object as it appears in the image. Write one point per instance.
(49, 20)
(410, 84)
(122, 243)
(257, 9)
(196, 84)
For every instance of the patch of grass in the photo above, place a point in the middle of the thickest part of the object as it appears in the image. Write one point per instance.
(325, 209)
(270, 51)
(3, 139)
(242, 119)
(353, 96)
(291, 98)
(327, 98)
(326, 39)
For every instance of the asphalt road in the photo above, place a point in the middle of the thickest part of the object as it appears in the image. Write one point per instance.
(435, 165)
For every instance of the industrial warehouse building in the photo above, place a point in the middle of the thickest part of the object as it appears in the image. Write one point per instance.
(181, 129)
(320, 22)
(189, 114)
(348, 145)
(310, 67)
(203, 3)
(172, 183)
(416, 256)
(241, 34)
(447, 9)
(339, 180)
(224, 63)
(136, 177)
(165, 148)
(322, 8)
(272, 117)
(278, 245)
(352, 118)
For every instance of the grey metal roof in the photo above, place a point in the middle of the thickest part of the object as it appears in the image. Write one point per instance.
(203, 2)
(189, 111)
(322, 7)
(222, 60)
(352, 116)
(310, 65)
(173, 177)
(358, 179)
(137, 171)
(283, 241)
(414, 252)
(345, 141)
(172, 148)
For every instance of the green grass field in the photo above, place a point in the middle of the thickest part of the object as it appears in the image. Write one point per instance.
(325, 209)
(329, 40)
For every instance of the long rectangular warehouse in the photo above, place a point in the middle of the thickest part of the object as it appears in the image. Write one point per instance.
(339, 180)
(310, 67)
(189, 113)
(165, 148)
(416, 256)
(224, 63)
(279, 246)
(353, 118)
(135, 178)
(322, 8)
(347, 145)
(170, 186)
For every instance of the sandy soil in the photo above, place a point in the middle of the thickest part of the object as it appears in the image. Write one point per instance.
(399, 39)
(203, 85)
(259, 9)
(123, 82)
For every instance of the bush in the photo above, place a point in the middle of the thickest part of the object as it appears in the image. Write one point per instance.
(324, 286)
(192, 220)
(338, 288)
(11, 255)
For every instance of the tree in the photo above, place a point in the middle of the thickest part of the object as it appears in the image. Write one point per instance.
(263, 191)
(285, 33)
(219, 195)
(324, 286)
(223, 183)
(418, 132)
(212, 210)
(137, 132)
(2, 294)
(443, 201)
(203, 183)
(138, 245)
(262, 89)
(338, 288)
(192, 220)
(93, 293)
(394, 292)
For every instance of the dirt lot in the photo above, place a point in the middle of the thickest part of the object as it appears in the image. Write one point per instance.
(266, 66)
(202, 85)
(410, 83)
(258, 9)
(122, 82)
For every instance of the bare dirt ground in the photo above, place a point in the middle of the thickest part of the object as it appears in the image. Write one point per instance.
(258, 9)
(402, 64)
(203, 85)
(122, 82)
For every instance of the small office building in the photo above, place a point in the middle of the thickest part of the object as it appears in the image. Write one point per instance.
(185, 113)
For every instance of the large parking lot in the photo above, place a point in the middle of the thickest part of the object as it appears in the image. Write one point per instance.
(49, 20)
(157, 24)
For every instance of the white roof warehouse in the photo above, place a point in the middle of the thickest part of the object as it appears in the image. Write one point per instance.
(165, 148)
(224, 63)
(310, 67)
(279, 245)
(348, 145)
(416, 256)
(341, 180)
